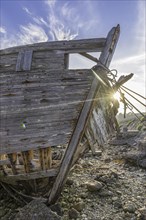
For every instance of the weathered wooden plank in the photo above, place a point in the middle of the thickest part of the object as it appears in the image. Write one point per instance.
(43, 128)
(26, 110)
(30, 176)
(5, 162)
(66, 61)
(27, 158)
(27, 60)
(85, 45)
(42, 114)
(36, 64)
(24, 126)
(45, 157)
(35, 144)
(81, 73)
(20, 60)
(44, 85)
(90, 57)
(47, 91)
(110, 45)
(51, 118)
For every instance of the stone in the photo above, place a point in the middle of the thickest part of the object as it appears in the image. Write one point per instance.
(117, 204)
(57, 208)
(84, 195)
(79, 206)
(142, 163)
(69, 182)
(142, 213)
(36, 210)
(105, 193)
(97, 153)
(73, 213)
(94, 186)
(129, 207)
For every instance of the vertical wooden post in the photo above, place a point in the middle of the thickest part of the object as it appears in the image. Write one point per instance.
(13, 159)
(45, 157)
(27, 159)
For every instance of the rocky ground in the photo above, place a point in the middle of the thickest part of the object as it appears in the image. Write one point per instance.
(108, 185)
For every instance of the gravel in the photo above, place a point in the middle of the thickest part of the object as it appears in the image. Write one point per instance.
(99, 187)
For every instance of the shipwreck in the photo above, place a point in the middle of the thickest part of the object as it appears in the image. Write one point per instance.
(51, 114)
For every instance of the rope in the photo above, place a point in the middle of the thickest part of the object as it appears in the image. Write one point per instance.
(133, 92)
(130, 108)
(134, 107)
(134, 97)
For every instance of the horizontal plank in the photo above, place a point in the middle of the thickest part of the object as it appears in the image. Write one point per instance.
(42, 101)
(85, 45)
(37, 143)
(8, 77)
(41, 115)
(30, 176)
(43, 126)
(45, 90)
(9, 62)
(5, 162)
(29, 109)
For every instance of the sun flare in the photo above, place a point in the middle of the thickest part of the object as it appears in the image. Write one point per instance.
(116, 96)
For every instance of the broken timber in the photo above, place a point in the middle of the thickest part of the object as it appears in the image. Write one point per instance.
(49, 113)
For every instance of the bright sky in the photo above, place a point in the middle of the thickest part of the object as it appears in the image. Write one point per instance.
(31, 21)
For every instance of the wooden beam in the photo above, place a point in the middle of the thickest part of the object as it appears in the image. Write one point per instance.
(110, 45)
(94, 59)
(72, 46)
(66, 61)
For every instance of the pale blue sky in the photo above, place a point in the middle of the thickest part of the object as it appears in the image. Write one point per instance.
(24, 22)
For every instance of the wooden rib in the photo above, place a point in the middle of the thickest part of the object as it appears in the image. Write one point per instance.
(30, 176)
(41, 158)
(45, 157)
(49, 157)
(5, 162)
(13, 159)
(27, 160)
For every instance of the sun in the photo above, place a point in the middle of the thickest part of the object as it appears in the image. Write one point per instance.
(116, 96)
